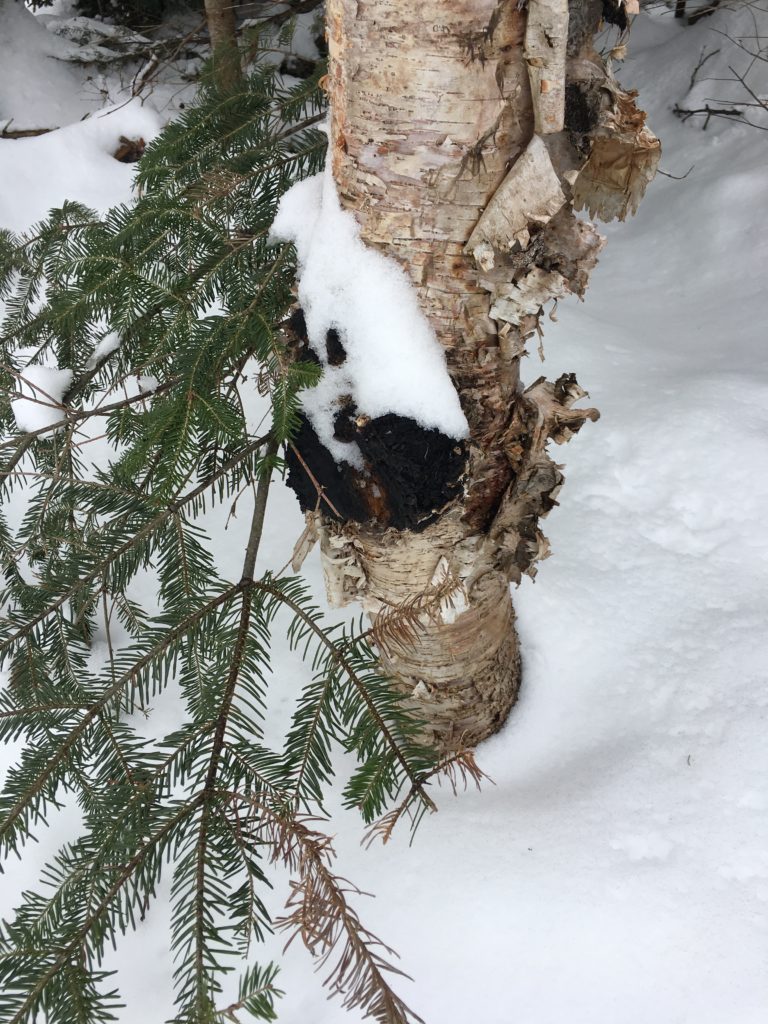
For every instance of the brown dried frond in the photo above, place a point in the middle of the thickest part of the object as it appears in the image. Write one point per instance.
(401, 625)
(217, 184)
(459, 769)
(264, 380)
(320, 915)
(385, 826)
(130, 150)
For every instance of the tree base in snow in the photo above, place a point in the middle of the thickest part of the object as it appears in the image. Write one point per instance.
(442, 620)
(460, 713)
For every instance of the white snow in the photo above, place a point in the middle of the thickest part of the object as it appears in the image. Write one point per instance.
(75, 162)
(617, 871)
(394, 361)
(109, 343)
(43, 388)
(39, 88)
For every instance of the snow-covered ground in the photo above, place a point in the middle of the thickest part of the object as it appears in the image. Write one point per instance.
(617, 872)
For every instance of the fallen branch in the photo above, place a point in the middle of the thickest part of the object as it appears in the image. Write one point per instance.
(23, 133)
(684, 113)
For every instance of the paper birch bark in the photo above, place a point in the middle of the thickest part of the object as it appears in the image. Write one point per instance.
(461, 131)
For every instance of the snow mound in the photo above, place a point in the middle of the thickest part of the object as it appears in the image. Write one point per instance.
(109, 343)
(43, 387)
(76, 162)
(38, 88)
(394, 362)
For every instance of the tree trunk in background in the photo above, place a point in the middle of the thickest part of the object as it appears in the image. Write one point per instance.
(222, 28)
(463, 134)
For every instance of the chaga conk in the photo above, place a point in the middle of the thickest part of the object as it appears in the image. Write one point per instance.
(410, 472)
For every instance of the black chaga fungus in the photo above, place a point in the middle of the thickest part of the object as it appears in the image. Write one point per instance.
(419, 469)
(297, 340)
(344, 426)
(298, 67)
(411, 472)
(339, 481)
(582, 108)
(297, 324)
(614, 14)
(334, 350)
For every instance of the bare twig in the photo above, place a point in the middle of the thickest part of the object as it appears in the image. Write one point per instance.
(676, 177)
(23, 133)
(730, 114)
(322, 496)
(703, 58)
(142, 79)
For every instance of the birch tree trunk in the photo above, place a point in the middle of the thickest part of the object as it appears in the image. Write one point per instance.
(464, 133)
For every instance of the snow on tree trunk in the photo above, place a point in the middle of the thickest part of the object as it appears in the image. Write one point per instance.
(455, 168)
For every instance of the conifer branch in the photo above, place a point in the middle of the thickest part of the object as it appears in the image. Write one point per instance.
(186, 279)
(82, 933)
(109, 695)
(77, 416)
(173, 508)
(338, 656)
(39, 709)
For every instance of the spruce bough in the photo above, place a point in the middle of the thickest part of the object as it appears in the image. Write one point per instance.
(119, 552)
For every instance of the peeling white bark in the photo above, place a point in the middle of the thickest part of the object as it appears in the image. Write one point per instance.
(461, 665)
(624, 158)
(529, 195)
(546, 40)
